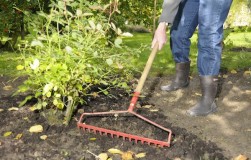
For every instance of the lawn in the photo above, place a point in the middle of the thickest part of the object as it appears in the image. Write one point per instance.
(163, 63)
(8, 63)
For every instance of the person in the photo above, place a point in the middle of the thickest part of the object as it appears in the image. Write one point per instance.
(185, 16)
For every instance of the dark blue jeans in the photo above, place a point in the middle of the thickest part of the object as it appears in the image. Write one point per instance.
(209, 16)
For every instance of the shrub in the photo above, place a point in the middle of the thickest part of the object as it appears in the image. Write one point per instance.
(68, 55)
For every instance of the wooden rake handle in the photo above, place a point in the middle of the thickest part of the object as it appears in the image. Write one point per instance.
(147, 68)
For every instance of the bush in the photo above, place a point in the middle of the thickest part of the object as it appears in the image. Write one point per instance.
(68, 55)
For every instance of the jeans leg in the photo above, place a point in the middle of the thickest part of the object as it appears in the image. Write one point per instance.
(182, 30)
(212, 15)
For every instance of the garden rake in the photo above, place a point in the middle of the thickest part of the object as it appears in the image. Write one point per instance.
(130, 110)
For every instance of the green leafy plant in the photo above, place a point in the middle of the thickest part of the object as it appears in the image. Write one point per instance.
(13, 24)
(68, 55)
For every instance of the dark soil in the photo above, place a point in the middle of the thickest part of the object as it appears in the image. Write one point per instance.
(208, 138)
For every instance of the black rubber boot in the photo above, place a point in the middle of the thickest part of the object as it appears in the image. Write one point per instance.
(207, 104)
(181, 78)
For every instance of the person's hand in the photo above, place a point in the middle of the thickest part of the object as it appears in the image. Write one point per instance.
(160, 35)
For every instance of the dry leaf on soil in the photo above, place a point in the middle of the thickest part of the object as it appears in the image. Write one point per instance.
(247, 74)
(198, 94)
(36, 129)
(115, 151)
(92, 139)
(1, 110)
(225, 76)
(241, 157)
(103, 156)
(7, 134)
(127, 155)
(18, 136)
(154, 110)
(43, 137)
(140, 155)
(7, 88)
(147, 106)
(233, 71)
(13, 109)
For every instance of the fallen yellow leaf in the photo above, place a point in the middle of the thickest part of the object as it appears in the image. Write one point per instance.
(115, 151)
(7, 88)
(7, 134)
(127, 155)
(103, 156)
(225, 76)
(36, 129)
(241, 157)
(1, 110)
(247, 74)
(26, 118)
(18, 136)
(93, 139)
(147, 106)
(13, 109)
(43, 137)
(154, 110)
(198, 94)
(233, 71)
(140, 155)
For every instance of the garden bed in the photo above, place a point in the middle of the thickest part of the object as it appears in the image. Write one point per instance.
(219, 136)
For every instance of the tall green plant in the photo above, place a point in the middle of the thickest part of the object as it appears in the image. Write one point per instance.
(68, 56)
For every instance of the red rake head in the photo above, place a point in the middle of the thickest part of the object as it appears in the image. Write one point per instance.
(125, 136)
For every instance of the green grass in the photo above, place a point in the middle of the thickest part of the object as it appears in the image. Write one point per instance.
(8, 63)
(163, 63)
(237, 60)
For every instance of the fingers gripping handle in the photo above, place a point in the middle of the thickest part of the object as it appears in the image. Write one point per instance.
(147, 68)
